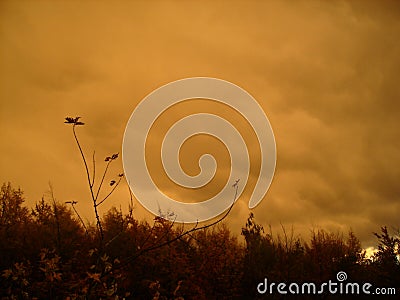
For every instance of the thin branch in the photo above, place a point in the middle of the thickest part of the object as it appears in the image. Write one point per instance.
(102, 179)
(148, 236)
(194, 229)
(55, 215)
(94, 169)
(131, 201)
(165, 232)
(109, 194)
(83, 223)
(286, 237)
(195, 238)
(84, 159)
(90, 186)
(113, 239)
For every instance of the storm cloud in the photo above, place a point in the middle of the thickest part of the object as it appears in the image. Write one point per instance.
(325, 73)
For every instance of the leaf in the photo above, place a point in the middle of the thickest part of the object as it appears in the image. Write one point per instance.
(91, 251)
(69, 120)
(105, 257)
(110, 292)
(25, 282)
(57, 276)
(112, 182)
(108, 266)
(94, 276)
(75, 121)
(7, 273)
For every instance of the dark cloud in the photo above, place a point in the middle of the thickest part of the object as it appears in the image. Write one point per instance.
(326, 74)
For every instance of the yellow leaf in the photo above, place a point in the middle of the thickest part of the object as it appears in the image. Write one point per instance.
(94, 276)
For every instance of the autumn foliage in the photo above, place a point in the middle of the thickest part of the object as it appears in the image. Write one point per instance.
(46, 253)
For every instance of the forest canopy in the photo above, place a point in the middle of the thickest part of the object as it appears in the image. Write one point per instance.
(48, 252)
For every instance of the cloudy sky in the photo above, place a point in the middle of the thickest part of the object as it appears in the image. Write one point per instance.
(325, 72)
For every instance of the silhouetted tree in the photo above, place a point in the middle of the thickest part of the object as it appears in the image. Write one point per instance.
(219, 258)
(329, 252)
(259, 258)
(387, 259)
(14, 224)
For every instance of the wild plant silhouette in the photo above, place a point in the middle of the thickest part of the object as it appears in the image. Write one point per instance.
(48, 252)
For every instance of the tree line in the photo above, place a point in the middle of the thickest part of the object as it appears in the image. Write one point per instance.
(47, 252)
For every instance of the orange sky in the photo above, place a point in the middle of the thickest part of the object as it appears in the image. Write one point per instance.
(325, 72)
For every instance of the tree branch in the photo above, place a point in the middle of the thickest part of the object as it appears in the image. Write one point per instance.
(94, 169)
(102, 179)
(188, 232)
(109, 194)
(99, 226)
